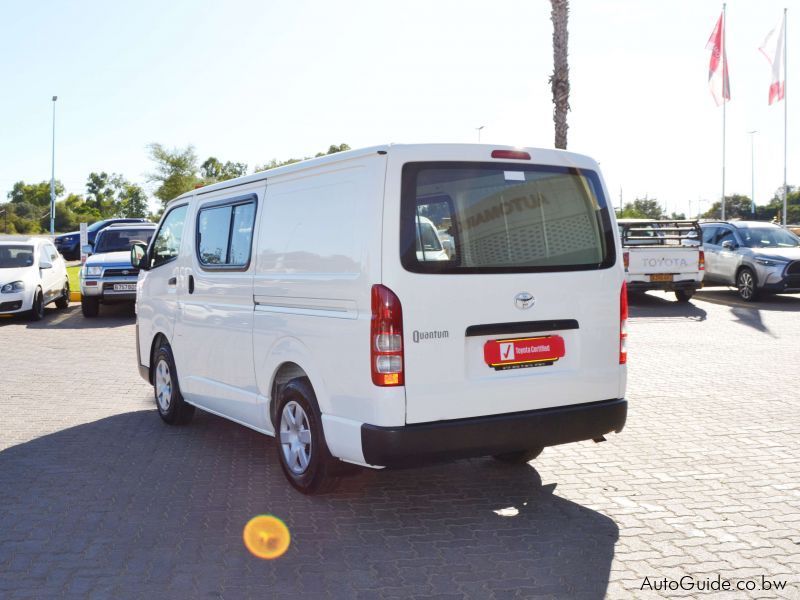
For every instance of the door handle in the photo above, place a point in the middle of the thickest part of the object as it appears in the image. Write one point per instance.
(172, 281)
(191, 284)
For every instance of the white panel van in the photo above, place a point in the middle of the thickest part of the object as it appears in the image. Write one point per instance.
(392, 306)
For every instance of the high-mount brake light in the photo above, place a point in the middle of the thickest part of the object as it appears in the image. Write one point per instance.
(623, 324)
(513, 154)
(386, 338)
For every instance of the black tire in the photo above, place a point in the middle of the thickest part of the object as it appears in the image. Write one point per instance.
(319, 474)
(63, 299)
(172, 408)
(37, 310)
(684, 296)
(90, 307)
(519, 457)
(746, 285)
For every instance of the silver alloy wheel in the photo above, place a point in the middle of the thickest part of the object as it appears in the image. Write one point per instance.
(295, 437)
(163, 385)
(746, 285)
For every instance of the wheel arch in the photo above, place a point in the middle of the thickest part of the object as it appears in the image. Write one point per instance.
(289, 359)
(750, 268)
(154, 344)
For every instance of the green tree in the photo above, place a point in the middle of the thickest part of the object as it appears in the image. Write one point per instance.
(212, 170)
(37, 194)
(175, 172)
(66, 220)
(101, 192)
(774, 208)
(642, 208)
(737, 206)
(132, 201)
(559, 80)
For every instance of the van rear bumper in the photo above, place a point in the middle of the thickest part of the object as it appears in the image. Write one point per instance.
(494, 434)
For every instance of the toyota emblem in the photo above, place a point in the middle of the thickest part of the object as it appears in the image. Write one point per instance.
(524, 300)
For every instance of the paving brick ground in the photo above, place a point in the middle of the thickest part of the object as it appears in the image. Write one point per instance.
(99, 499)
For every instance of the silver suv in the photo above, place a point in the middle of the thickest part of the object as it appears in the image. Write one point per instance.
(108, 275)
(754, 256)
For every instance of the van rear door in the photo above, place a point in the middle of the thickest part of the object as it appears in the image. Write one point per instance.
(516, 306)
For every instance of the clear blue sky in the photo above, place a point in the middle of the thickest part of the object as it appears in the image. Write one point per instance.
(252, 80)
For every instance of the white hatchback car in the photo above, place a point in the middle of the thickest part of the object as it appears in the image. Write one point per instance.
(32, 275)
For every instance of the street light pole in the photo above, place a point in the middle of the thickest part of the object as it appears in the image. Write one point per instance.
(53, 175)
(752, 172)
(479, 132)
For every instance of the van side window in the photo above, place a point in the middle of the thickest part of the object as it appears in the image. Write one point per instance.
(167, 242)
(225, 233)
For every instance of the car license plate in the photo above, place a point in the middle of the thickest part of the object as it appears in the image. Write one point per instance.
(523, 352)
(661, 277)
(124, 287)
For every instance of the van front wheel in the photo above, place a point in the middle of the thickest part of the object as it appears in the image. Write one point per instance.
(520, 457)
(172, 408)
(300, 441)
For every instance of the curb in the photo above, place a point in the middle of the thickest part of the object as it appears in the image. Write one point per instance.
(74, 296)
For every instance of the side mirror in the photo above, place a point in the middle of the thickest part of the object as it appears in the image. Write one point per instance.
(87, 249)
(139, 256)
(729, 245)
(45, 265)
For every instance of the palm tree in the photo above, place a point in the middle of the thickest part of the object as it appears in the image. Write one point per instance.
(559, 80)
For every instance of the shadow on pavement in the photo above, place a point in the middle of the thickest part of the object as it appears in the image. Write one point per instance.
(127, 506)
(646, 305)
(111, 315)
(729, 297)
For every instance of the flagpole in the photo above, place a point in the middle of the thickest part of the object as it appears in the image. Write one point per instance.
(724, 78)
(785, 113)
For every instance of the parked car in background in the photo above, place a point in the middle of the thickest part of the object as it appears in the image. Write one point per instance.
(754, 256)
(32, 275)
(107, 276)
(662, 255)
(69, 243)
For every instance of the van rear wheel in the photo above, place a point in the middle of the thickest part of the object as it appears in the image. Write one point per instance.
(519, 457)
(684, 296)
(300, 440)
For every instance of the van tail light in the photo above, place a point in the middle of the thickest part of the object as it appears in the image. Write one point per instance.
(623, 324)
(626, 259)
(386, 338)
(701, 262)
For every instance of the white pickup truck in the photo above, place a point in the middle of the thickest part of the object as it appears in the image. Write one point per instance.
(662, 255)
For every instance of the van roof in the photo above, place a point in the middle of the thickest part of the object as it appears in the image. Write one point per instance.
(542, 156)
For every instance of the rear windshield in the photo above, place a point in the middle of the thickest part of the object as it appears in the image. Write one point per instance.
(500, 218)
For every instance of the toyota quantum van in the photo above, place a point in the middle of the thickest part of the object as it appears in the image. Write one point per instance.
(392, 306)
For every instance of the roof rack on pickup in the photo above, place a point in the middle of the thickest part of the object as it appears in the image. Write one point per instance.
(643, 232)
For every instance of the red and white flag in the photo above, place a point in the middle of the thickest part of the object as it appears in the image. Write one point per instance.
(773, 50)
(718, 75)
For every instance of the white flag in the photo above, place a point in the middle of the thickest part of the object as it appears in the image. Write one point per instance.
(773, 49)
